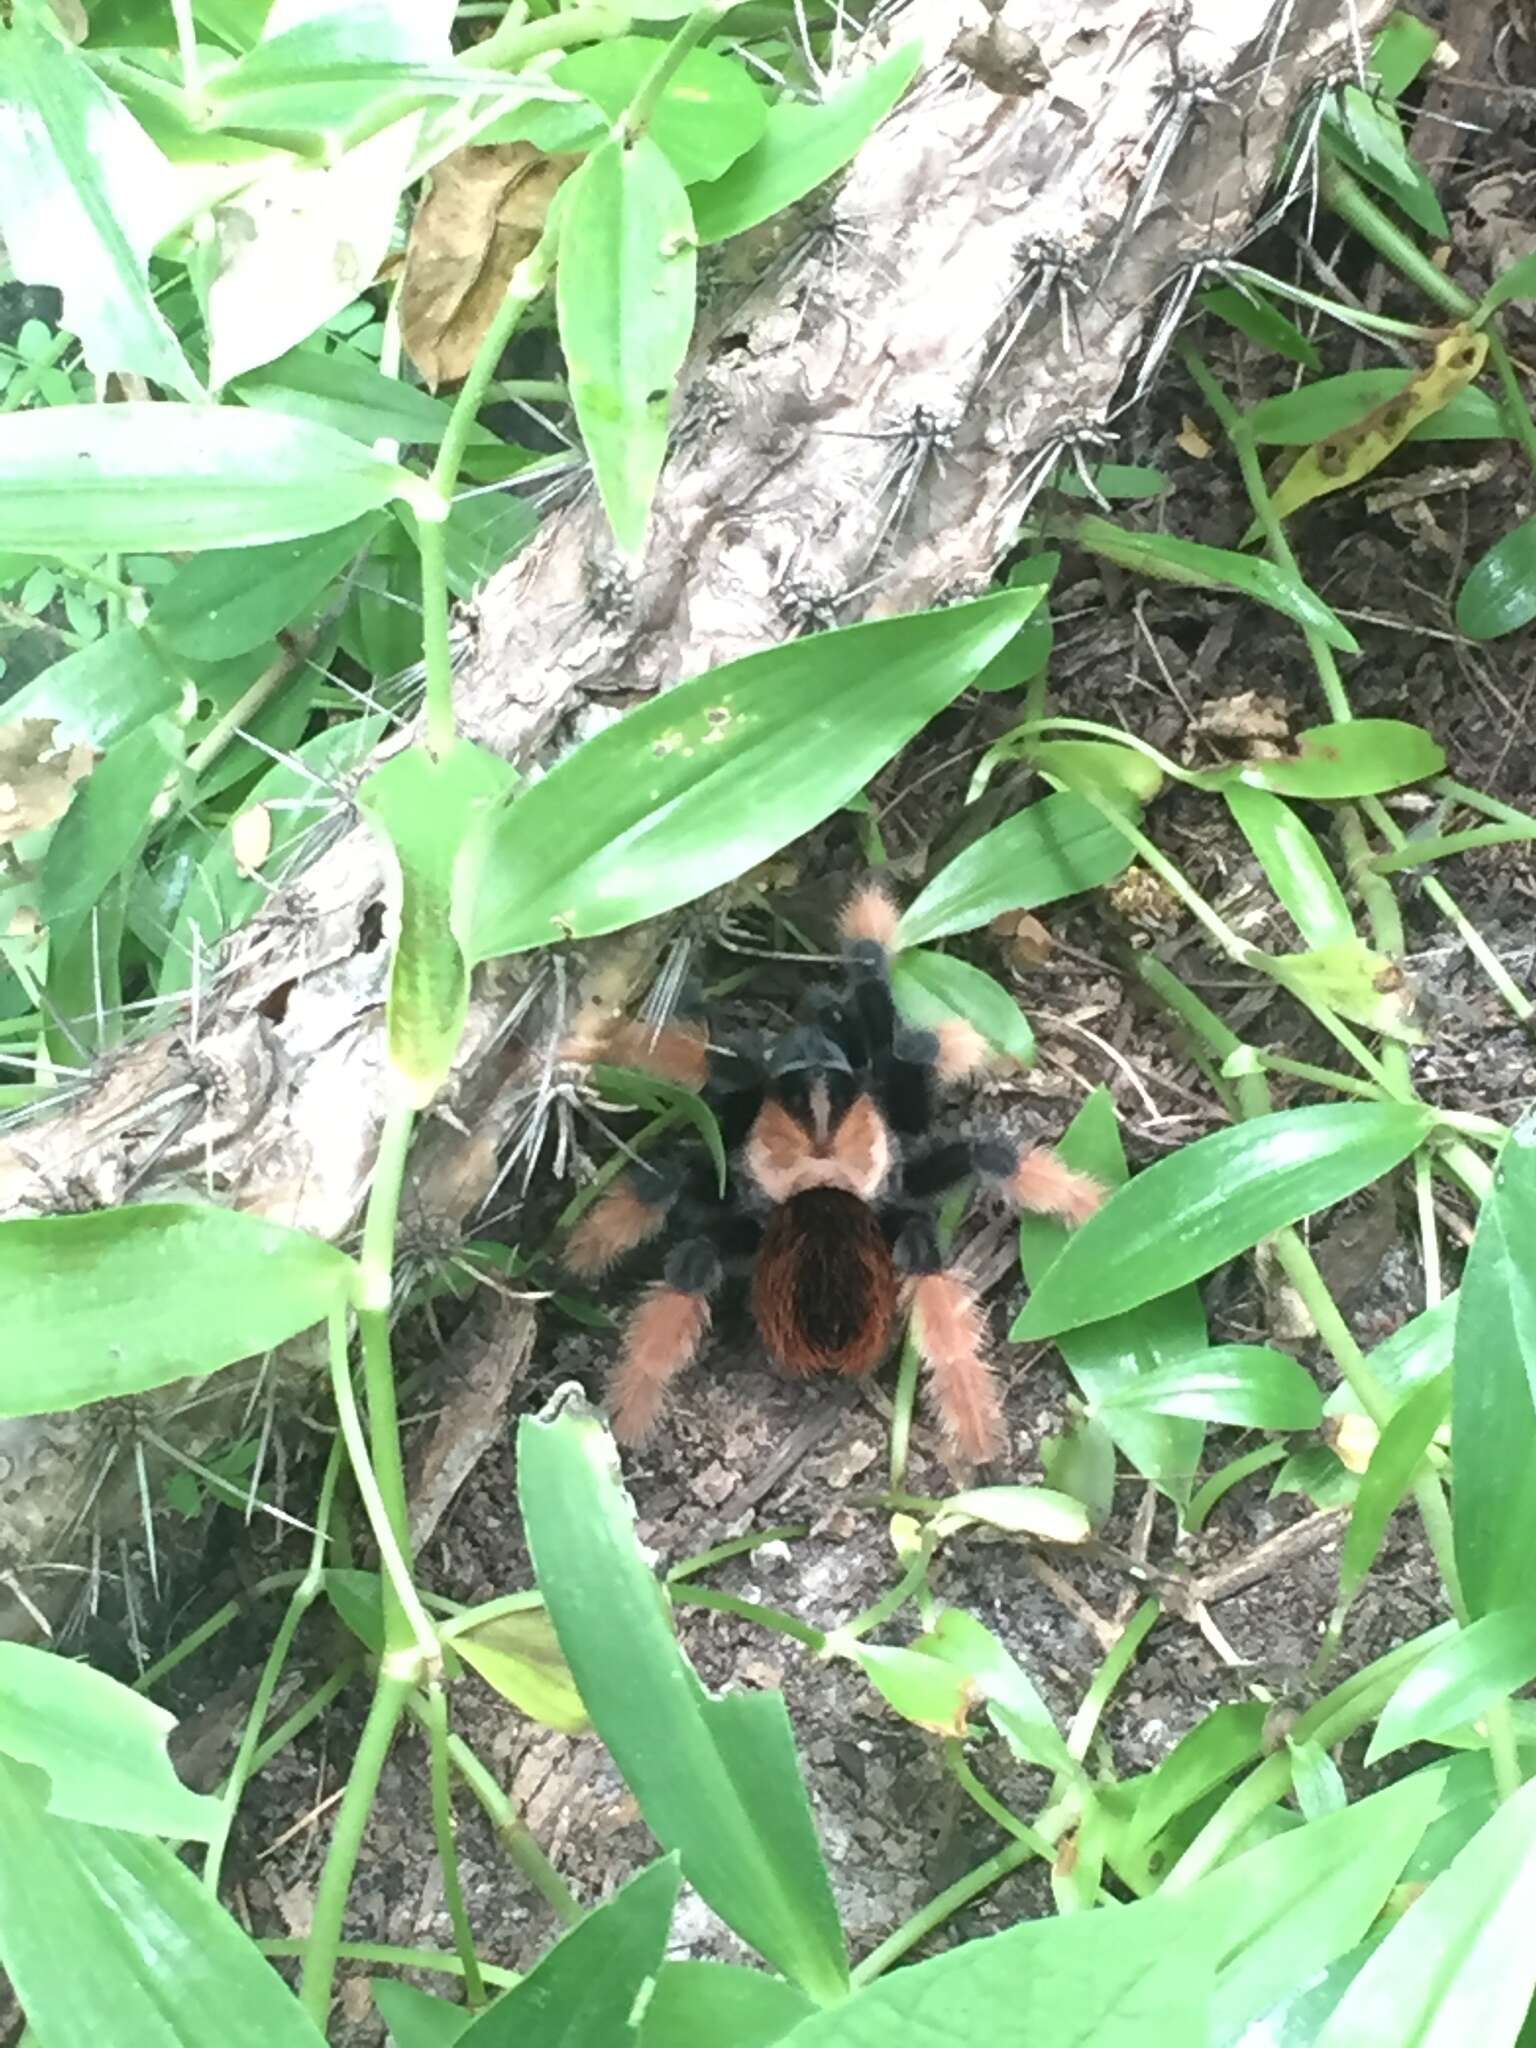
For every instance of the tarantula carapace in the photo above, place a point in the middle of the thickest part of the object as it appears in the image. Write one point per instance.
(835, 1174)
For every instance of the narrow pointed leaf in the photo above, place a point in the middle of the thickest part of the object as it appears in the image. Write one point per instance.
(519, 1655)
(1252, 314)
(1367, 136)
(228, 601)
(1247, 1385)
(588, 1991)
(161, 479)
(717, 1779)
(1192, 1212)
(1489, 1660)
(1057, 847)
(1365, 757)
(100, 1746)
(692, 789)
(1459, 1967)
(1493, 1417)
(1294, 864)
(1013, 1701)
(720, 2002)
(162, 1955)
(625, 295)
(1213, 1751)
(1113, 1355)
(84, 197)
(1316, 410)
(100, 836)
(1518, 282)
(122, 1300)
(1395, 1461)
(418, 2019)
(930, 988)
(801, 146)
(1499, 595)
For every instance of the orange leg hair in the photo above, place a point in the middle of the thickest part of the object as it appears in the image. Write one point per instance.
(947, 1326)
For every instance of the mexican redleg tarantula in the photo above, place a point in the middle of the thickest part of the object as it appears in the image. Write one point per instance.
(835, 1173)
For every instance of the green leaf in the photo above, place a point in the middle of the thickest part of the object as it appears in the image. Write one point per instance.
(1252, 314)
(931, 988)
(1315, 411)
(159, 479)
(1013, 1701)
(1356, 983)
(710, 113)
(1499, 595)
(109, 819)
(1459, 1967)
(1192, 562)
(1114, 1354)
(698, 2003)
(656, 1096)
(101, 1747)
(1081, 1462)
(1244, 1384)
(624, 292)
(1213, 1751)
(693, 788)
(1365, 757)
(415, 2018)
(1057, 847)
(1017, 1511)
(341, 389)
(437, 816)
(230, 600)
(107, 1936)
(1316, 1780)
(1135, 1977)
(1493, 1419)
(1120, 775)
(1518, 282)
(1487, 1661)
(519, 1656)
(930, 1694)
(1401, 50)
(1133, 481)
(84, 197)
(1190, 1213)
(801, 147)
(101, 691)
(1395, 1462)
(1028, 652)
(120, 1300)
(1294, 864)
(716, 1779)
(1287, 1909)
(589, 1989)
(1368, 137)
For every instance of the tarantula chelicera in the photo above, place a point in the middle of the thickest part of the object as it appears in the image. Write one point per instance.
(835, 1173)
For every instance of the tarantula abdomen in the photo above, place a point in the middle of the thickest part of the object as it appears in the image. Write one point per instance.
(824, 1287)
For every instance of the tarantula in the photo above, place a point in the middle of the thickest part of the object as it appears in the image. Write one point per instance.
(828, 1210)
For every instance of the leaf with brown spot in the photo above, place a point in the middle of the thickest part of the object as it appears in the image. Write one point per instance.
(37, 775)
(485, 211)
(1352, 452)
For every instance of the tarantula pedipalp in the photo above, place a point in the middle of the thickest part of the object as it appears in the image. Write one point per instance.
(828, 1211)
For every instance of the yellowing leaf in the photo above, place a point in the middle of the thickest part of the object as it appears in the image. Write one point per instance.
(519, 1656)
(484, 213)
(1350, 453)
(250, 839)
(1363, 986)
(37, 775)
(1191, 440)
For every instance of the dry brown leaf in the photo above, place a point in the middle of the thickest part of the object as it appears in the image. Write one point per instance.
(485, 211)
(1247, 716)
(1191, 440)
(250, 839)
(37, 775)
(1025, 940)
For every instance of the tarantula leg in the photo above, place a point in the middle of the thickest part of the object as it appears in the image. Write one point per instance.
(677, 1051)
(627, 1215)
(1039, 1179)
(662, 1337)
(946, 1322)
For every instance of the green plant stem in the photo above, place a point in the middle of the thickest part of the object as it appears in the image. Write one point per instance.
(376, 1265)
(512, 1832)
(517, 40)
(303, 1597)
(389, 1700)
(307, 1711)
(30, 375)
(1112, 1669)
(751, 1610)
(991, 1806)
(903, 1404)
(219, 1620)
(447, 1847)
(890, 1602)
(739, 1546)
(1221, 1483)
(386, 1952)
(637, 116)
(938, 1910)
(1152, 857)
(1490, 806)
(240, 713)
(1324, 1077)
(1337, 1715)
(525, 285)
(1419, 851)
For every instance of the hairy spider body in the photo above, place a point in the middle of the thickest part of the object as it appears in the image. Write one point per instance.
(827, 1216)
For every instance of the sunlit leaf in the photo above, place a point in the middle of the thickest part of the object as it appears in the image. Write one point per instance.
(801, 146)
(1354, 982)
(161, 479)
(100, 1746)
(120, 1300)
(1017, 1510)
(1363, 757)
(1489, 1660)
(101, 691)
(625, 295)
(716, 1778)
(1294, 864)
(1499, 595)
(1187, 1214)
(101, 834)
(932, 987)
(1367, 136)
(720, 2002)
(933, 1695)
(1398, 1456)
(162, 1953)
(1057, 847)
(710, 113)
(695, 787)
(1243, 1384)
(519, 1656)
(1013, 1702)
(84, 197)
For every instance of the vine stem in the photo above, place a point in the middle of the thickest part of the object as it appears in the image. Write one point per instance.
(447, 1848)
